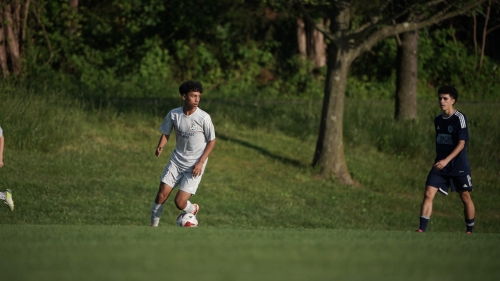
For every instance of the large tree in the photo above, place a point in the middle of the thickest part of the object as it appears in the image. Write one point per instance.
(406, 76)
(347, 40)
(10, 37)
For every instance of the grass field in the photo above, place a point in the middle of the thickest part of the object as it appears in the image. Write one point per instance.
(56, 252)
(84, 177)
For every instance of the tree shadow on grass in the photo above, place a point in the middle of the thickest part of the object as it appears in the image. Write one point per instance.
(263, 151)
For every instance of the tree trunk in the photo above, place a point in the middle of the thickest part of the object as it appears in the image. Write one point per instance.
(407, 78)
(485, 28)
(301, 38)
(311, 42)
(3, 53)
(329, 153)
(11, 15)
(73, 4)
(316, 45)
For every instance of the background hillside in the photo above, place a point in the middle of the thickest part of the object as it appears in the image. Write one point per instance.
(85, 85)
(76, 162)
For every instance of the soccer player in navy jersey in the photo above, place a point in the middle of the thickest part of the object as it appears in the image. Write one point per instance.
(451, 167)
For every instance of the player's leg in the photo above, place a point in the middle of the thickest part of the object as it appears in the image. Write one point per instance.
(463, 185)
(469, 210)
(187, 188)
(164, 191)
(182, 202)
(426, 208)
(168, 180)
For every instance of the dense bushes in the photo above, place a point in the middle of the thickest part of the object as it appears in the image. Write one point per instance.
(238, 49)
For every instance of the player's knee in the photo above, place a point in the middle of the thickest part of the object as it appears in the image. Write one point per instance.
(429, 194)
(465, 196)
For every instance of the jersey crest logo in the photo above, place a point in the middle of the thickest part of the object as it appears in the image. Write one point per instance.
(450, 129)
(193, 126)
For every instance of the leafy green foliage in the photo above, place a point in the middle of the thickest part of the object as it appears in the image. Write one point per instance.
(443, 60)
(241, 49)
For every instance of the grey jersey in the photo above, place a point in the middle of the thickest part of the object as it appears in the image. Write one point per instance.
(192, 134)
(1, 132)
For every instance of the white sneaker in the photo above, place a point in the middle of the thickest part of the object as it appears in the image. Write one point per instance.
(8, 199)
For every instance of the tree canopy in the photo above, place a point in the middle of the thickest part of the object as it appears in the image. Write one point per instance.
(114, 46)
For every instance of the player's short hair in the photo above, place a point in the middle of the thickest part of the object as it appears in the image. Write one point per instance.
(190, 86)
(450, 90)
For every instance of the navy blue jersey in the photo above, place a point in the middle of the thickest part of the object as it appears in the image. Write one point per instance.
(448, 132)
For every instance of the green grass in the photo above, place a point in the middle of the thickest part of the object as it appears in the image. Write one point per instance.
(84, 176)
(56, 252)
(74, 162)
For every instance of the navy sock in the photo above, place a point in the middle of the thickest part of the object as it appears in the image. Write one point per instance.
(469, 224)
(423, 223)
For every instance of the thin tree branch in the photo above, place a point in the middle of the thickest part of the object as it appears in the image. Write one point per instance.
(493, 28)
(37, 16)
(390, 30)
(375, 18)
(435, 2)
(364, 30)
(313, 22)
(475, 33)
(483, 46)
(398, 39)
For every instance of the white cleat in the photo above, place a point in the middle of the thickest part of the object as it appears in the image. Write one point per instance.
(8, 199)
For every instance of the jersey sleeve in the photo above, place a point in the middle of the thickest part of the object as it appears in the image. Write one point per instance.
(208, 129)
(1, 132)
(463, 129)
(167, 124)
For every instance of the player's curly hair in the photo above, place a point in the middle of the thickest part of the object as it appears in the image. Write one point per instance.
(190, 86)
(450, 90)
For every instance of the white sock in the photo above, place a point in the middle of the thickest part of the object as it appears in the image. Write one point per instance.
(2, 195)
(189, 208)
(156, 211)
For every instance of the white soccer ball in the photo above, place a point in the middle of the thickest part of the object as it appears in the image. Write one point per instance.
(187, 220)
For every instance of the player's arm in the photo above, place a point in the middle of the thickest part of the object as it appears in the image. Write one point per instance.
(198, 167)
(161, 143)
(442, 163)
(1, 151)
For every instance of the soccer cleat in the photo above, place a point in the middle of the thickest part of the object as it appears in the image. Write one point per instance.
(468, 232)
(419, 230)
(154, 222)
(197, 208)
(8, 199)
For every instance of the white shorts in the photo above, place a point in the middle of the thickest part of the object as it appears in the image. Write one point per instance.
(174, 176)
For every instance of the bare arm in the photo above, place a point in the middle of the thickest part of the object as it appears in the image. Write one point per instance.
(442, 163)
(198, 167)
(1, 151)
(161, 143)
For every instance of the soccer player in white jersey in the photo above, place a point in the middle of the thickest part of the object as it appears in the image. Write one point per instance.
(451, 166)
(195, 140)
(6, 196)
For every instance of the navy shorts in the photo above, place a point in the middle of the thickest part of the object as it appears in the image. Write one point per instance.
(443, 182)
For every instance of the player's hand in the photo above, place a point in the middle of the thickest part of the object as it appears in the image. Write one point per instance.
(440, 164)
(158, 151)
(1, 163)
(197, 169)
